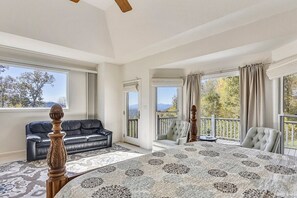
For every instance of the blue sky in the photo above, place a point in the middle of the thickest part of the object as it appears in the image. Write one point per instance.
(50, 93)
(165, 95)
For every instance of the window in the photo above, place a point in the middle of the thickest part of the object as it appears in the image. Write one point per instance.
(220, 97)
(167, 107)
(290, 94)
(167, 99)
(289, 123)
(31, 88)
(220, 108)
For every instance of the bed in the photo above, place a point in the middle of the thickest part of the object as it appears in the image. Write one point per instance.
(195, 169)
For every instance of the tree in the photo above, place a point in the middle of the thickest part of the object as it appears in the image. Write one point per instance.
(31, 86)
(290, 94)
(220, 97)
(210, 99)
(228, 89)
(9, 92)
(3, 86)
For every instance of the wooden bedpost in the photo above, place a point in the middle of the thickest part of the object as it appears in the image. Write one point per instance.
(57, 155)
(193, 137)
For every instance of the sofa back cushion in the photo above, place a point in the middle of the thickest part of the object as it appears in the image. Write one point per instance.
(90, 126)
(71, 127)
(40, 127)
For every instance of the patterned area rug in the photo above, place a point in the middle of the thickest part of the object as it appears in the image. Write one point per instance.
(22, 179)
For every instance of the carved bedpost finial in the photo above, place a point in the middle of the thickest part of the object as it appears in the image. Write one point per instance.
(193, 124)
(57, 155)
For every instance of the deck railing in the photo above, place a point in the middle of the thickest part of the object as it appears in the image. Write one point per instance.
(288, 126)
(223, 128)
(132, 128)
(164, 120)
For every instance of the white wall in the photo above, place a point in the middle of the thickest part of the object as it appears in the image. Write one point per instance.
(110, 98)
(12, 135)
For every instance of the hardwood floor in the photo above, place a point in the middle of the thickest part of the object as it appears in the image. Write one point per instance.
(287, 151)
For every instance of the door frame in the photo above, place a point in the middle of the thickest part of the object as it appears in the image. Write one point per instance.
(127, 139)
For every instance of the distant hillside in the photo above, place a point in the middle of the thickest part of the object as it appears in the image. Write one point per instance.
(163, 107)
(50, 104)
(160, 107)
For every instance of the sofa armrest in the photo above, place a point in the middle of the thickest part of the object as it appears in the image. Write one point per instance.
(181, 141)
(105, 132)
(33, 138)
(162, 137)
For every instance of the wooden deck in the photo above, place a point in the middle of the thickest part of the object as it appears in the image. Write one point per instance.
(288, 151)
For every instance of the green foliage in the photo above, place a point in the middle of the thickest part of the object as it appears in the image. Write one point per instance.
(290, 94)
(220, 97)
(25, 90)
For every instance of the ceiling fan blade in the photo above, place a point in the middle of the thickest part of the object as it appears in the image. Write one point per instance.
(124, 5)
(75, 1)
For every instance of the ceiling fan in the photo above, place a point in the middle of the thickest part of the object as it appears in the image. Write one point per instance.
(123, 4)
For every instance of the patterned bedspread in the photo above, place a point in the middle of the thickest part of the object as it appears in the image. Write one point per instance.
(193, 170)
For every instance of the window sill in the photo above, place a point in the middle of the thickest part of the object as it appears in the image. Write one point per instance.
(20, 110)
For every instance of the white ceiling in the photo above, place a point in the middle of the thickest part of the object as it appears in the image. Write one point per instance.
(154, 26)
(101, 4)
(155, 32)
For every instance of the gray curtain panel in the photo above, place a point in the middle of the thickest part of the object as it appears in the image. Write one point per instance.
(252, 97)
(193, 97)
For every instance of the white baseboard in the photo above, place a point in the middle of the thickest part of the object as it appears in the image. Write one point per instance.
(12, 156)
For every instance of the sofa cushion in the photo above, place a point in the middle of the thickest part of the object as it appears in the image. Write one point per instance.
(89, 131)
(74, 139)
(73, 132)
(41, 127)
(71, 125)
(45, 142)
(96, 137)
(91, 124)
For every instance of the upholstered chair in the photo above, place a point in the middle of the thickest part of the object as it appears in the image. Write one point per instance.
(264, 139)
(176, 135)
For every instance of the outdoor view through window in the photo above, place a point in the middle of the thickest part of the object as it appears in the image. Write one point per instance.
(30, 88)
(290, 108)
(290, 94)
(167, 100)
(220, 107)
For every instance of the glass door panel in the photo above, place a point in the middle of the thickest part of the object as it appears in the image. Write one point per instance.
(132, 118)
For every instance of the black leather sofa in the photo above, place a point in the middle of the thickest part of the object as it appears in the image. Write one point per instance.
(81, 135)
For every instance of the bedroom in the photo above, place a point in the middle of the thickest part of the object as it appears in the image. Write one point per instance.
(104, 54)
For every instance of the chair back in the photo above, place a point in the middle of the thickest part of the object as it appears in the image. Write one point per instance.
(178, 129)
(264, 139)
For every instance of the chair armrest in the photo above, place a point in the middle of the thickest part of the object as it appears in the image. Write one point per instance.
(181, 141)
(162, 137)
(33, 138)
(105, 132)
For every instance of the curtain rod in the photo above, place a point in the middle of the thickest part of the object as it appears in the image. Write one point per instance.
(220, 71)
(234, 69)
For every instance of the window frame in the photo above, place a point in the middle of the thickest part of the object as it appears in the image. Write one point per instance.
(40, 68)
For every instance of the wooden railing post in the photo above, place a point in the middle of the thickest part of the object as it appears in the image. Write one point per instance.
(213, 125)
(57, 155)
(193, 124)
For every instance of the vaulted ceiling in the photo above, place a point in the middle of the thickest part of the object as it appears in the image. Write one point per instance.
(97, 31)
